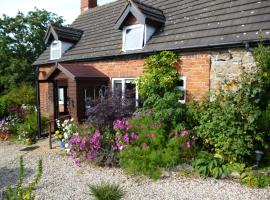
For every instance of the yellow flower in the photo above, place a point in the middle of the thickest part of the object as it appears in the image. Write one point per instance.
(60, 136)
(57, 132)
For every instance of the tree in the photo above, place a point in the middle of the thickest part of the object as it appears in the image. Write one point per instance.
(21, 42)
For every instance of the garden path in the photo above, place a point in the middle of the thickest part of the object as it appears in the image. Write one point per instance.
(62, 180)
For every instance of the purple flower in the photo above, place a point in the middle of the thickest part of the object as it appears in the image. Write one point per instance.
(75, 140)
(147, 135)
(153, 136)
(82, 145)
(144, 145)
(135, 136)
(126, 138)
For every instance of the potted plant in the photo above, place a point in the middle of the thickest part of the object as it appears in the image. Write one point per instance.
(60, 137)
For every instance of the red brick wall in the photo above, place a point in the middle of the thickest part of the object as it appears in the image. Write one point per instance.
(195, 66)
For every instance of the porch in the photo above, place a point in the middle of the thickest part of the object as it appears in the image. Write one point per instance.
(70, 87)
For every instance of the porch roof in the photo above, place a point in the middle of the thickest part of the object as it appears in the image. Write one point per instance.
(77, 71)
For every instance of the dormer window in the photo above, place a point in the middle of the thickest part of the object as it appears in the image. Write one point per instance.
(56, 47)
(138, 23)
(60, 39)
(133, 37)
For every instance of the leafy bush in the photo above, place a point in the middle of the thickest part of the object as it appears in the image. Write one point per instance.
(235, 122)
(208, 165)
(255, 180)
(28, 129)
(145, 147)
(107, 109)
(106, 191)
(159, 76)
(20, 192)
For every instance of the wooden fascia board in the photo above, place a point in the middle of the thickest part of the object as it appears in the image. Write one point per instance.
(50, 32)
(130, 8)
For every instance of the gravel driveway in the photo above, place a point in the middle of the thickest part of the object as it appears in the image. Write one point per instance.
(62, 180)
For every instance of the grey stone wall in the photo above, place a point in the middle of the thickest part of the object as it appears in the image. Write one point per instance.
(227, 65)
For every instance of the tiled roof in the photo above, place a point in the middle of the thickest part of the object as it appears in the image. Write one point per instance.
(189, 24)
(62, 33)
(77, 71)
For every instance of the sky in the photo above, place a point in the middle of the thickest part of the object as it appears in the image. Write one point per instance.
(69, 9)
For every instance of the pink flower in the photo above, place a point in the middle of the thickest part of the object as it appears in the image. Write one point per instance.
(144, 145)
(97, 133)
(146, 135)
(188, 144)
(184, 132)
(153, 136)
(152, 125)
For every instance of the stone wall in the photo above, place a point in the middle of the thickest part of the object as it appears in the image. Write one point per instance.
(227, 65)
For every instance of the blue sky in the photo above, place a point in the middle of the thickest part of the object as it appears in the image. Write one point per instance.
(69, 9)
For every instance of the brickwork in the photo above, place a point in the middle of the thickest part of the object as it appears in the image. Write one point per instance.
(195, 66)
(87, 4)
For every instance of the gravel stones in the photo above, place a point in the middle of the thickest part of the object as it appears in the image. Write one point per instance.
(63, 180)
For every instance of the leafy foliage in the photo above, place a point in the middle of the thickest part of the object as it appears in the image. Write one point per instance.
(21, 42)
(20, 192)
(255, 180)
(235, 123)
(146, 147)
(159, 76)
(106, 191)
(16, 97)
(208, 165)
(108, 108)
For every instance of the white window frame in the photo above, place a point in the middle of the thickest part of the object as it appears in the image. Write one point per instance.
(142, 39)
(123, 81)
(56, 48)
(183, 88)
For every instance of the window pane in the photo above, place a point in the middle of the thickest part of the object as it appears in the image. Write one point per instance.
(117, 88)
(61, 100)
(130, 93)
(133, 38)
(56, 54)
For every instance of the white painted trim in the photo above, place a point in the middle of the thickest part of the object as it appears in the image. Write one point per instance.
(184, 88)
(123, 88)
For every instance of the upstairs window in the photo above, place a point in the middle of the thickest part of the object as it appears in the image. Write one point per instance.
(56, 50)
(133, 37)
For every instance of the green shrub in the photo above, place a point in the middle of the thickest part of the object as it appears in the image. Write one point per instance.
(255, 180)
(17, 96)
(207, 165)
(28, 129)
(20, 192)
(138, 161)
(146, 147)
(159, 76)
(106, 191)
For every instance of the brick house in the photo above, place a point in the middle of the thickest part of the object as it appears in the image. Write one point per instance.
(106, 46)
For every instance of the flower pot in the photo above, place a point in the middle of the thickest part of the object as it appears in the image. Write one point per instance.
(62, 144)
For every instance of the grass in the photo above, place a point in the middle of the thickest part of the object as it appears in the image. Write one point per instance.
(107, 191)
